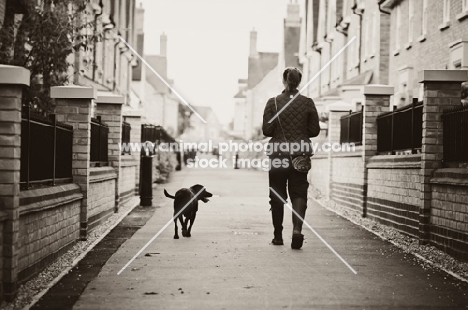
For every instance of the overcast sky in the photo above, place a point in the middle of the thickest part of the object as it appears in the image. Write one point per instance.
(208, 44)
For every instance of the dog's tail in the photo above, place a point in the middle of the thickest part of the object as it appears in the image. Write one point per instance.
(168, 195)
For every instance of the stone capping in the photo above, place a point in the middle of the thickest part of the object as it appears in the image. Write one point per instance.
(40, 199)
(412, 161)
(3, 216)
(448, 76)
(128, 161)
(14, 75)
(450, 176)
(378, 89)
(100, 174)
(321, 155)
(73, 92)
(109, 98)
(356, 153)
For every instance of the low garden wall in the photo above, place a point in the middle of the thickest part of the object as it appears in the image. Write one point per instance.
(101, 195)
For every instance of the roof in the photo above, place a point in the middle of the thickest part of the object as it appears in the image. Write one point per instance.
(240, 94)
(259, 66)
(159, 64)
(364, 78)
(203, 111)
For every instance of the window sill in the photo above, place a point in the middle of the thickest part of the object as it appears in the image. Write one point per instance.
(422, 38)
(396, 52)
(444, 26)
(462, 15)
(408, 45)
(371, 56)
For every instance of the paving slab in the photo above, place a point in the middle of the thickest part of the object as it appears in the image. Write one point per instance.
(228, 262)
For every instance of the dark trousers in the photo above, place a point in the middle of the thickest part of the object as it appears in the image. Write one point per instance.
(283, 181)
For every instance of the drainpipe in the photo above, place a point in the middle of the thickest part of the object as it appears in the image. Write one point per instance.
(354, 8)
(116, 46)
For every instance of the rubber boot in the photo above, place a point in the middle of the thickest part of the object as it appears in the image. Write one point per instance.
(277, 214)
(299, 205)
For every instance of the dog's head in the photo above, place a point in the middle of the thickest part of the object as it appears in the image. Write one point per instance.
(204, 195)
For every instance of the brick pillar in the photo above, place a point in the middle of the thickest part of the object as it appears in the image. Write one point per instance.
(12, 80)
(134, 120)
(334, 131)
(74, 106)
(109, 107)
(442, 90)
(377, 101)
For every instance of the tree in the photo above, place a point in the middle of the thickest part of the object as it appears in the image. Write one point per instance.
(40, 38)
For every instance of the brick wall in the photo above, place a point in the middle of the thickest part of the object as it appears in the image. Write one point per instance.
(449, 211)
(49, 223)
(347, 180)
(393, 192)
(101, 195)
(127, 178)
(435, 46)
(319, 174)
(1, 257)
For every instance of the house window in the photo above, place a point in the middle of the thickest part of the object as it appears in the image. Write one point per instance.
(446, 11)
(446, 15)
(424, 19)
(398, 28)
(375, 30)
(464, 5)
(367, 27)
(410, 20)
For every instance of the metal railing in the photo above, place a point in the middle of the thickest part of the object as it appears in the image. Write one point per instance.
(400, 130)
(455, 126)
(351, 128)
(126, 128)
(46, 150)
(99, 142)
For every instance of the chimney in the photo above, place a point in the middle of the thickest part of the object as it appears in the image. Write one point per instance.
(293, 18)
(163, 45)
(139, 18)
(253, 43)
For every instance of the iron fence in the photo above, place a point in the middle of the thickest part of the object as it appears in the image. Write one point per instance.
(401, 129)
(99, 142)
(455, 126)
(351, 128)
(46, 150)
(126, 128)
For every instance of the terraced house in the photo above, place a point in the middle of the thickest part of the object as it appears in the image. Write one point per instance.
(389, 78)
(61, 127)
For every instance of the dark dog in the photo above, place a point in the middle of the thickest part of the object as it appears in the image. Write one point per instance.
(181, 199)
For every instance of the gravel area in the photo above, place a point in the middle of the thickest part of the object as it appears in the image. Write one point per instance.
(31, 289)
(427, 256)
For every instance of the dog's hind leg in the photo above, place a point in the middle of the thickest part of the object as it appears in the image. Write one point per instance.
(184, 227)
(176, 230)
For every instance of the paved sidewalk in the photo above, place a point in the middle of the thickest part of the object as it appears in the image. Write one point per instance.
(228, 262)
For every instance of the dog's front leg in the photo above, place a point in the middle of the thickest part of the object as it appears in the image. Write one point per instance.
(192, 220)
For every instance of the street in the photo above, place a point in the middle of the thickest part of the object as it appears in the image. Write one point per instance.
(228, 262)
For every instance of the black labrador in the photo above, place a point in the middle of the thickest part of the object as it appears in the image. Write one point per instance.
(183, 197)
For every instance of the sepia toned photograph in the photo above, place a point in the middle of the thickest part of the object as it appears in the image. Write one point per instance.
(233, 154)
